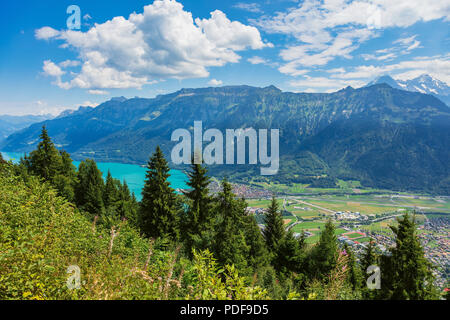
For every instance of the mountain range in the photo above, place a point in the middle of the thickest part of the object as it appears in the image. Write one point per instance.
(382, 136)
(423, 84)
(10, 124)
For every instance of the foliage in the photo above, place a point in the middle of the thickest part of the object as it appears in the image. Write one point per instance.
(158, 209)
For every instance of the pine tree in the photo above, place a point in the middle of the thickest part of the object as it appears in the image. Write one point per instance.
(289, 255)
(110, 193)
(126, 205)
(230, 244)
(258, 255)
(354, 276)
(158, 215)
(368, 259)
(89, 190)
(198, 221)
(274, 227)
(65, 178)
(324, 254)
(369, 256)
(45, 161)
(405, 273)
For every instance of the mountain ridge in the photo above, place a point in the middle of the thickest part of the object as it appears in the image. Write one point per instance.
(370, 117)
(424, 84)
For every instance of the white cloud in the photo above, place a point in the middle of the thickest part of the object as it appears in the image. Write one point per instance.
(257, 60)
(250, 7)
(52, 69)
(46, 33)
(87, 16)
(98, 92)
(436, 66)
(89, 104)
(162, 42)
(388, 56)
(326, 29)
(69, 63)
(214, 82)
(323, 84)
(400, 47)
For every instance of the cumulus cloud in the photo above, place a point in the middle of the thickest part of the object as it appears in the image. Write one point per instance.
(164, 41)
(214, 82)
(69, 63)
(326, 29)
(51, 69)
(46, 33)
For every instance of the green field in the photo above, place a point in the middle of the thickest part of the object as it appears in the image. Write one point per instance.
(313, 211)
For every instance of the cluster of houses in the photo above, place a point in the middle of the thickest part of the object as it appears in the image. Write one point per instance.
(348, 215)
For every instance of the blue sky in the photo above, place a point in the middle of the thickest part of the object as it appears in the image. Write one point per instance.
(124, 49)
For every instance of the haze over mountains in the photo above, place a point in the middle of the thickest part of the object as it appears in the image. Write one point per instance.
(379, 135)
(10, 124)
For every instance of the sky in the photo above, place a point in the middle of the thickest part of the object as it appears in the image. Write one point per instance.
(146, 48)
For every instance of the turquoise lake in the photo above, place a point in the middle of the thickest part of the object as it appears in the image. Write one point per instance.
(133, 174)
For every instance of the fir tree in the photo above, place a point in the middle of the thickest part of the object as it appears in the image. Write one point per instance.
(230, 244)
(45, 161)
(89, 190)
(158, 216)
(198, 221)
(289, 255)
(354, 276)
(324, 254)
(274, 227)
(405, 273)
(258, 255)
(110, 193)
(126, 205)
(368, 259)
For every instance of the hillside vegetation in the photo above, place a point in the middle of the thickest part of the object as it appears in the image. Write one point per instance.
(67, 234)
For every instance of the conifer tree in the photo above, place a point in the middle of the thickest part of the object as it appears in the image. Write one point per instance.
(289, 255)
(198, 222)
(65, 179)
(158, 215)
(45, 161)
(354, 273)
(368, 259)
(258, 255)
(324, 254)
(230, 244)
(89, 190)
(405, 273)
(274, 227)
(110, 194)
(126, 205)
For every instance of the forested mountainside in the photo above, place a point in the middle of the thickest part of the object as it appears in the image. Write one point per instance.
(382, 136)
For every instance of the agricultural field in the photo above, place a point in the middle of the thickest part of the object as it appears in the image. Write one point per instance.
(310, 213)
